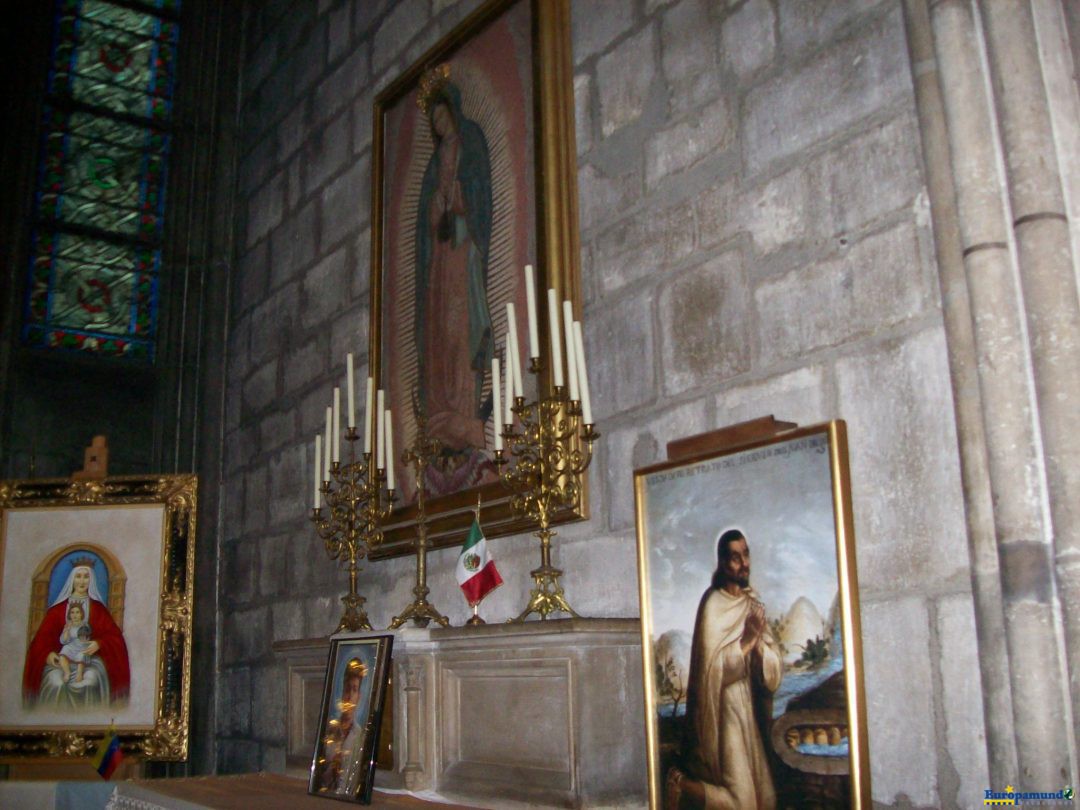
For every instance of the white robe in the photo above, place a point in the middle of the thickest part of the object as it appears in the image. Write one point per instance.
(724, 746)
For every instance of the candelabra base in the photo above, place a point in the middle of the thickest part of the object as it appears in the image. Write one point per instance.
(421, 612)
(547, 597)
(354, 618)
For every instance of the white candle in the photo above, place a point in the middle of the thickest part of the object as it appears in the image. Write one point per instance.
(351, 383)
(369, 415)
(571, 355)
(389, 450)
(530, 300)
(583, 377)
(380, 410)
(553, 327)
(515, 354)
(497, 410)
(337, 424)
(509, 371)
(318, 464)
(326, 444)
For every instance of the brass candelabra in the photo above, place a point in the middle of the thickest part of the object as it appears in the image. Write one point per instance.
(358, 504)
(551, 453)
(419, 456)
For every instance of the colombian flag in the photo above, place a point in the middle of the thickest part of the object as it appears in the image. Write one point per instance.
(108, 756)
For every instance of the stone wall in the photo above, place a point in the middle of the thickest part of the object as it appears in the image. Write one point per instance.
(755, 239)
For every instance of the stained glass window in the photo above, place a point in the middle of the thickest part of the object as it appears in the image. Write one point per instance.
(100, 203)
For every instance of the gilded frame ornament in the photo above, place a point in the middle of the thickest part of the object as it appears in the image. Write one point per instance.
(140, 530)
(529, 130)
(788, 498)
(357, 678)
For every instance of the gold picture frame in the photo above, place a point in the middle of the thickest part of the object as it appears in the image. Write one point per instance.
(777, 643)
(111, 562)
(354, 694)
(506, 73)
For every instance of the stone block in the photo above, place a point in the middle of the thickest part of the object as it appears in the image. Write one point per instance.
(309, 61)
(362, 122)
(294, 186)
(302, 551)
(595, 25)
(706, 324)
(296, 24)
(304, 365)
(238, 756)
(323, 290)
(749, 38)
(338, 34)
(271, 567)
(622, 366)
(261, 62)
(613, 595)
(706, 133)
(349, 332)
(257, 163)
(292, 131)
(232, 509)
(313, 410)
(272, 322)
(269, 683)
(255, 500)
(276, 429)
(360, 275)
(368, 13)
(628, 447)
(602, 196)
(239, 572)
(904, 466)
(291, 483)
(849, 81)
(875, 173)
(814, 23)
(961, 698)
(272, 759)
(778, 214)
(873, 285)
(325, 153)
(899, 702)
(260, 389)
(396, 30)
(236, 698)
(288, 616)
(265, 208)
(321, 613)
(624, 77)
(689, 54)
(293, 245)
(341, 87)
(238, 350)
(246, 635)
(800, 396)
(582, 112)
(718, 213)
(253, 278)
(644, 245)
(345, 203)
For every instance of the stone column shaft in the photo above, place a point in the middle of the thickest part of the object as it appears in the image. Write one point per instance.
(1047, 275)
(1005, 400)
(967, 401)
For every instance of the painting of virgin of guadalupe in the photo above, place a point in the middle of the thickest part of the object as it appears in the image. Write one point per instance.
(77, 658)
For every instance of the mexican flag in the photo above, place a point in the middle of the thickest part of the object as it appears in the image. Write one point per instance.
(476, 572)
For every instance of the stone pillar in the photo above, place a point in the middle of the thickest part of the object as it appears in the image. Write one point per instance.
(1041, 231)
(1038, 750)
(960, 336)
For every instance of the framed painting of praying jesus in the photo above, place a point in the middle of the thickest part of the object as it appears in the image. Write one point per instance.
(474, 177)
(750, 626)
(95, 615)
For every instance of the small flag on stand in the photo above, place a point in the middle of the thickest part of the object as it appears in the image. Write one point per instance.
(108, 756)
(476, 572)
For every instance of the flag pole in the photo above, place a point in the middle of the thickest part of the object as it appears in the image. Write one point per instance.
(476, 619)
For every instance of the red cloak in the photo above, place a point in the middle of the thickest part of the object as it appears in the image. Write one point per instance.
(112, 649)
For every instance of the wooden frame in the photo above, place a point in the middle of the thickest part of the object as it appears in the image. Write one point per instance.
(504, 77)
(787, 497)
(357, 674)
(138, 533)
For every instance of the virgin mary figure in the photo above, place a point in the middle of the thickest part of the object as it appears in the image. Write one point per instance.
(106, 677)
(453, 229)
